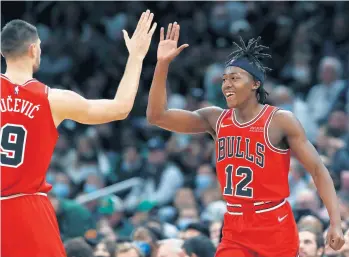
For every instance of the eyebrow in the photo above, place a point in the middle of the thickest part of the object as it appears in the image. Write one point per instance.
(231, 74)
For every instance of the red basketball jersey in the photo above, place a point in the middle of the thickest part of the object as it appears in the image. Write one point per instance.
(248, 167)
(27, 137)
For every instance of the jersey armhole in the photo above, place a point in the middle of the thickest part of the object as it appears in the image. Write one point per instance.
(266, 135)
(219, 120)
(47, 90)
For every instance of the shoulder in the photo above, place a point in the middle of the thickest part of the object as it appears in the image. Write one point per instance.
(210, 113)
(286, 121)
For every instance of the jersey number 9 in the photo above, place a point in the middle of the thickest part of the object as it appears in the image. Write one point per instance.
(12, 141)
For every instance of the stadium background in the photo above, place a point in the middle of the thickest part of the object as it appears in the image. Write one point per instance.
(83, 50)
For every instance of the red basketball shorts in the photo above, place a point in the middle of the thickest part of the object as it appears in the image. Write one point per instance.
(269, 232)
(29, 228)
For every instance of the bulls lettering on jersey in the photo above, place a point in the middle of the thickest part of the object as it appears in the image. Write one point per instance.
(249, 167)
(27, 137)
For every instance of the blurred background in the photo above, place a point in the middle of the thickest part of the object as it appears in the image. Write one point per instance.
(173, 193)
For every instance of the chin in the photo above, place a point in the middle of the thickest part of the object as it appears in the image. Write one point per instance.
(231, 104)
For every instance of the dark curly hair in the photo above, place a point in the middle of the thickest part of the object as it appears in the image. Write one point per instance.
(253, 52)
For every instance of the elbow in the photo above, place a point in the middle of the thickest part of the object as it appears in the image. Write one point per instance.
(125, 112)
(152, 117)
(122, 116)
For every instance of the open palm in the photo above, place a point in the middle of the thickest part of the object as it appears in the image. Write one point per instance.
(167, 49)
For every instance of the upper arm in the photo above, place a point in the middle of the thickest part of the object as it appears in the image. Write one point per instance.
(297, 140)
(182, 121)
(66, 104)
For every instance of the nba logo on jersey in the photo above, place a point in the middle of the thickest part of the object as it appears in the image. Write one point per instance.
(16, 90)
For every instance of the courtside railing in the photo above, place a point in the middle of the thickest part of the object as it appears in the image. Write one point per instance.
(116, 188)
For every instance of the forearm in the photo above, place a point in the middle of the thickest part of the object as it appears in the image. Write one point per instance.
(128, 87)
(325, 187)
(157, 102)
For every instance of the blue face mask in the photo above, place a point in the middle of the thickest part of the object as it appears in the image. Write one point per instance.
(144, 247)
(184, 222)
(89, 188)
(203, 181)
(61, 190)
(50, 178)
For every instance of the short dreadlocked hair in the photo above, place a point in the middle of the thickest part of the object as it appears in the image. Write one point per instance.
(253, 52)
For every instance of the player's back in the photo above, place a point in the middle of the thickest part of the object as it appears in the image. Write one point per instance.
(28, 137)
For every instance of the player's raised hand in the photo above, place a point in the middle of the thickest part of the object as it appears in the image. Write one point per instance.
(138, 44)
(335, 238)
(168, 49)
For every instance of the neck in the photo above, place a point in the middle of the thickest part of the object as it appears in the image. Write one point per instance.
(248, 110)
(19, 71)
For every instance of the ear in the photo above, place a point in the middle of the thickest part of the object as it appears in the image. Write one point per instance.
(256, 85)
(32, 50)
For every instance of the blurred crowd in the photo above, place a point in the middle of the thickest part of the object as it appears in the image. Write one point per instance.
(178, 208)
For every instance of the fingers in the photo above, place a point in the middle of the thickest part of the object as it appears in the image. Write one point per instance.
(140, 21)
(169, 31)
(181, 48)
(153, 28)
(176, 34)
(173, 31)
(148, 22)
(335, 242)
(126, 37)
(162, 34)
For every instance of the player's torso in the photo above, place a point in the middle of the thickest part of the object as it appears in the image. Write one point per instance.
(28, 137)
(248, 167)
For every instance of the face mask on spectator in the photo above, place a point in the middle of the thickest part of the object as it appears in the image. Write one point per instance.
(61, 190)
(50, 178)
(89, 188)
(184, 222)
(144, 247)
(302, 75)
(203, 181)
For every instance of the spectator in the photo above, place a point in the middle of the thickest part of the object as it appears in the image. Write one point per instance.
(161, 179)
(199, 246)
(196, 229)
(112, 208)
(77, 247)
(187, 216)
(128, 250)
(322, 96)
(105, 248)
(73, 218)
(170, 248)
(284, 98)
(215, 231)
(311, 243)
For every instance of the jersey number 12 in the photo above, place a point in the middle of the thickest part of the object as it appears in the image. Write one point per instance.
(241, 189)
(12, 141)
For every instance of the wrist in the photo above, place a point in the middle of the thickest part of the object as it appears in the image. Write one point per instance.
(164, 62)
(134, 57)
(335, 221)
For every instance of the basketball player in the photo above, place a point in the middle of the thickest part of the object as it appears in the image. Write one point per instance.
(30, 114)
(253, 144)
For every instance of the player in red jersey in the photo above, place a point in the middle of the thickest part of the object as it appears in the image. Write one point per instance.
(30, 113)
(253, 144)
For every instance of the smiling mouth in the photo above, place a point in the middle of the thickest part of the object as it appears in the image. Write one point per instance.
(229, 95)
